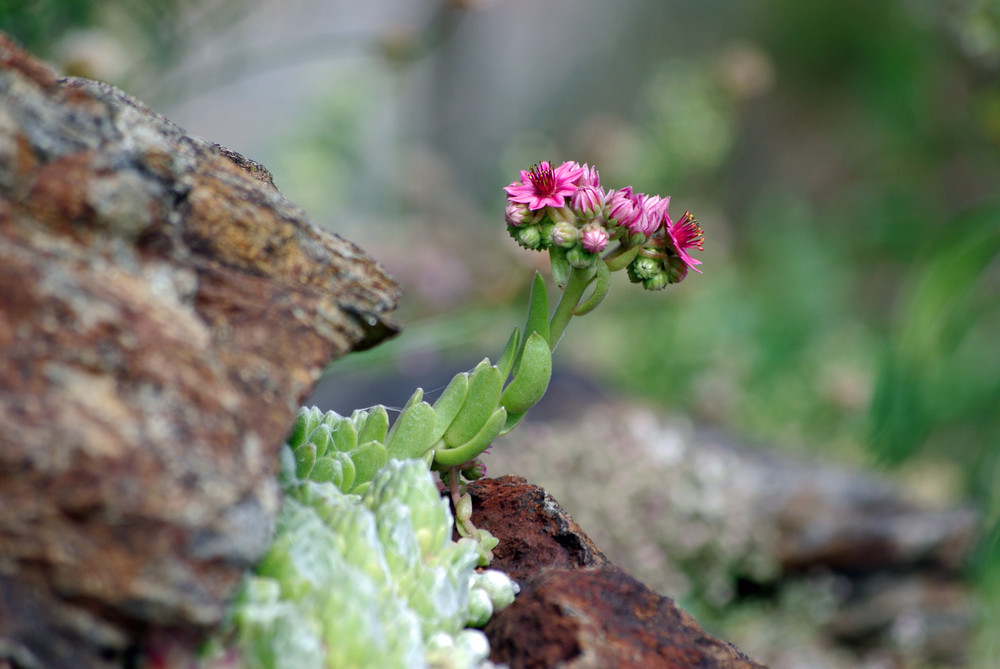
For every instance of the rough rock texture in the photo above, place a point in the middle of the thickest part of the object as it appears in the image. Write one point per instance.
(163, 311)
(576, 610)
(598, 617)
(534, 531)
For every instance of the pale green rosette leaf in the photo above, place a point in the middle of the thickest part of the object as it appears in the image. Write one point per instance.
(320, 438)
(368, 458)
(372, 425)
(345, 435)
(305, 458)
(327, 470)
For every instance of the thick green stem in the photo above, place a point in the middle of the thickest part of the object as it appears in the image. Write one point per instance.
(578, 281)
(620, 258)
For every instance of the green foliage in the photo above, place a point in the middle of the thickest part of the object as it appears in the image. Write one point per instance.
(365, 581)
(35, 23)
(928, 376)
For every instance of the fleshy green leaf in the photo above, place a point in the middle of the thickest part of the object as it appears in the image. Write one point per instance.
(532, 379)
(485, 386)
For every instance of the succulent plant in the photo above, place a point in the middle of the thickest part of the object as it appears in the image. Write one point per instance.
(364, 580)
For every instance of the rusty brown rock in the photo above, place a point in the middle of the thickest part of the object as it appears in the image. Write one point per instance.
(598, 617)
(535, 532)
(576, 609)
(163, 312)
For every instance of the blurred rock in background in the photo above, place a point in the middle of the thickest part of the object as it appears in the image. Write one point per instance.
(848, 571)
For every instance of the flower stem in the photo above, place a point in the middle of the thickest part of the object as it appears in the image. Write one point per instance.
(577, 283)
(620, 258)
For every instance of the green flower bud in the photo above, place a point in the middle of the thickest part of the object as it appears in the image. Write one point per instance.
(643, 268)
(579, 258)
(565, 235)
(529, 236)
(658, 281)
(546, 228)
(563, 214)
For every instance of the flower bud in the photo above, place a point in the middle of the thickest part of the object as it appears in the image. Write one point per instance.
(561, 215)
(642, 268)
(658, 281)
(589, 177)
(518, 214)
(565, 234)
(593, 237)
(650, 217)
(677, 269)
(622, 207)
(475, 470)
(579, 258)
(529, 237)
(545, 228)
(587, 201)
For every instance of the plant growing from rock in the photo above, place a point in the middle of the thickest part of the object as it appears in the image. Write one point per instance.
(362, 571)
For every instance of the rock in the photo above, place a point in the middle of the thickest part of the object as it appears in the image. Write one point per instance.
(861, 570)
(534, 531)
(163, 312)
(576, 609)
(597, 617)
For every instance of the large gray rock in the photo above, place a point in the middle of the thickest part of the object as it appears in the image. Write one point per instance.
(163, 312)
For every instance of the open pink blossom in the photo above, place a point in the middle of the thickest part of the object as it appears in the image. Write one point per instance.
(683, 235)
(544, 185)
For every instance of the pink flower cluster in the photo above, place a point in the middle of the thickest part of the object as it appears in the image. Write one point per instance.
(565, 209)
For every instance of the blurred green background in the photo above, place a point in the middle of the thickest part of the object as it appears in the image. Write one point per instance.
(843, 157)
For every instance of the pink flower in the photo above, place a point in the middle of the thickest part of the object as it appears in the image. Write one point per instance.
(652, 213)
(517, 214)
(683, 235)
(544, 185)
(587, 201)
(589, 177)
(623, 207)
(593, 237)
